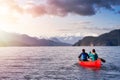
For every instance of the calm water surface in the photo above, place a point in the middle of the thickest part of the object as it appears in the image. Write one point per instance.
(56, 63)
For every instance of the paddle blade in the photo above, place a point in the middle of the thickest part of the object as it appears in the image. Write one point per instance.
(102, 60)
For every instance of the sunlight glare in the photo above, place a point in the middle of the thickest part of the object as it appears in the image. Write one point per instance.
(4, 10)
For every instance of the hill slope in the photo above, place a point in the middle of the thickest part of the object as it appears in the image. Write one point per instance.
(108, 39)
(13, 39)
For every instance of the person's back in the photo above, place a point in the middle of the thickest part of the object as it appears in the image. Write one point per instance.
(83, 56)
(93, 55)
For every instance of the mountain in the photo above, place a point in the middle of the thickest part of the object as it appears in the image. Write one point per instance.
(14, 39)
(58, 41)
(66, 39)
(108, 39)
(55, 39)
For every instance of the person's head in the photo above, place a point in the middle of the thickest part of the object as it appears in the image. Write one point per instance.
(83, 50)
(93, 50)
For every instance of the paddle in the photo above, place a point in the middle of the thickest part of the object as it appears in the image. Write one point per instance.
(102, 60)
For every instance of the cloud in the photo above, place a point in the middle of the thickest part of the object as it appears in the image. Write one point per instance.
(9, 11)
(95, 28)
(87, 29)
(12, 4)
(82, 23)
(63, 29)
(79, 7)
(62, 7)
(37, 10)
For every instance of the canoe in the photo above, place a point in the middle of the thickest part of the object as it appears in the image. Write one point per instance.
(96, 63)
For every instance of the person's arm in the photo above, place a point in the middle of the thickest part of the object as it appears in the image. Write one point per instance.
(79, 56)
(88, 55)
(97, 56)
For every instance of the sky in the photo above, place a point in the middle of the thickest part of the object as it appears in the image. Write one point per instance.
(50, 18)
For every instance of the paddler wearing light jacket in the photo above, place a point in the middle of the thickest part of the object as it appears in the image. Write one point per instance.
(93, 55)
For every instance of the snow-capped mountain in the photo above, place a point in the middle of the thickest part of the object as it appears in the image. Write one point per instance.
(66, 39)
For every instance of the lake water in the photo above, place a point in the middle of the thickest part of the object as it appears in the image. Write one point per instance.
(56, 63)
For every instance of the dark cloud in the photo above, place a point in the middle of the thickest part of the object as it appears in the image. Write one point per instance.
(79, 7)
(72, 6)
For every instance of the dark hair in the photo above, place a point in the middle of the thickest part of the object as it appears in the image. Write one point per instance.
(83, 50)
(93, 50)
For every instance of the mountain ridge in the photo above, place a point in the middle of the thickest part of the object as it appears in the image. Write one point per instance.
(107, 39)
(15, 39)
(66, 39)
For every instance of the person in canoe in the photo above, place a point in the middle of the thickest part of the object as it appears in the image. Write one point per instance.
(83, 56)
(93, 55)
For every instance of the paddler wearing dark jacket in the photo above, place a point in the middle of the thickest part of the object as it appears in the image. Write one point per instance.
(83, 56)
